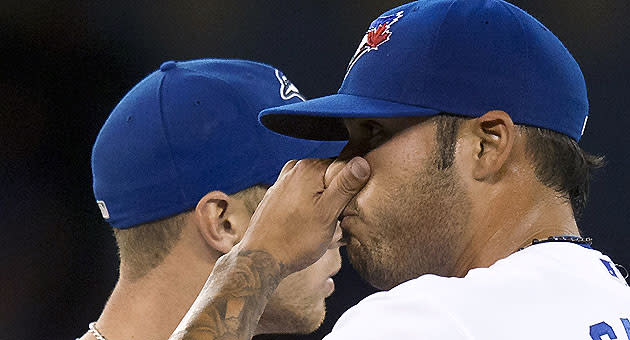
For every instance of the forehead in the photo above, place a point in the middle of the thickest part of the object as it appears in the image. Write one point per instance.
(392, 136)
(392, 124)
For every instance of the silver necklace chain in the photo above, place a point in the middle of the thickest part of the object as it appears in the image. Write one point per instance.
(97, 334)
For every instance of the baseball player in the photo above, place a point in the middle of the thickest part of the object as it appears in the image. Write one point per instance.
(457, 192)
(179, 168)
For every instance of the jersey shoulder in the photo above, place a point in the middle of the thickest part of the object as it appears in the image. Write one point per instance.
(544, 285)
(395, 314)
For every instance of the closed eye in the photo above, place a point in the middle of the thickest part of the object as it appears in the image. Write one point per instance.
(365, 136)
(374, 134)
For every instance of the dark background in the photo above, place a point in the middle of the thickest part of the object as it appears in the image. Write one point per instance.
(65, 65)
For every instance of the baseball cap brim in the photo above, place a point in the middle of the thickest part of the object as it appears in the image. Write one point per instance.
(322, 118)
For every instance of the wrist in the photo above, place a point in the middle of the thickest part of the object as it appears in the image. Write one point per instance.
(269, 258)
(251, 266)
(234, 296)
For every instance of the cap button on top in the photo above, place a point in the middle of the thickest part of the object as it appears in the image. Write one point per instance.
(167, 65)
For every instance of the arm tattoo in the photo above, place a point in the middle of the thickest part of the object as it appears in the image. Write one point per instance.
(233, 298)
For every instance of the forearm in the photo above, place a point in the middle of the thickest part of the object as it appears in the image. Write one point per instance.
(232, 300)
(296, 221)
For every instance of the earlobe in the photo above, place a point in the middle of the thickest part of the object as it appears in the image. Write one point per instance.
(213, 212)
(495, 133)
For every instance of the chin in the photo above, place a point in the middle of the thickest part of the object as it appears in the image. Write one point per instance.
(373, 272)
(300, 319)
(311, 320)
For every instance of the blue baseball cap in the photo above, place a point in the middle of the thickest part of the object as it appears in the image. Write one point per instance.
(464, 57)
(190, 128)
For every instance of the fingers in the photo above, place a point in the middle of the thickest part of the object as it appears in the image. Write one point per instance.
(287, 167)
(346, 184)
(310, 166)
(333, 170)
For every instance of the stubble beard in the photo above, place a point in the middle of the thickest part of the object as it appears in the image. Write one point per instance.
(299, 316)
(417, 227)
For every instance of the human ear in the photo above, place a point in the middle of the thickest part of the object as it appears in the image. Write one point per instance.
(215, 212)
(494, 134)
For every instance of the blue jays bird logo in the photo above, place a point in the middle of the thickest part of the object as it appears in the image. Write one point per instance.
(378, 33)
(287, 89)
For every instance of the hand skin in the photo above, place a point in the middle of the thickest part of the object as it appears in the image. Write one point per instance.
(291, 228)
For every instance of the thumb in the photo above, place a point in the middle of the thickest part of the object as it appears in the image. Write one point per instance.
(348, 182)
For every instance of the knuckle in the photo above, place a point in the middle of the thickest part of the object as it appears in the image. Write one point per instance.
(288, 166)
(291, 164)
(311, 165)
(324, 163)
(302, 163)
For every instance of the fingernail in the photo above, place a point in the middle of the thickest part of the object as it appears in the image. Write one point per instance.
(359, 167)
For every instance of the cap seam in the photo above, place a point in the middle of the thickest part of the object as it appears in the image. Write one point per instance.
(436, 37)
(232, 89)
(526, 73)
(168, 141)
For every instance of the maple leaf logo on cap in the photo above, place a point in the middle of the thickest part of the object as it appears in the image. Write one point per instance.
(377, 34)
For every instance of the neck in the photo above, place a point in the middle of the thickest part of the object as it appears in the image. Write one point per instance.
(151, 307)
(511, 224)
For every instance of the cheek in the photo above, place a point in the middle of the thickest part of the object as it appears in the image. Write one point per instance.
(371, 201)
(381, 193)
(394, 165)
(397, 160)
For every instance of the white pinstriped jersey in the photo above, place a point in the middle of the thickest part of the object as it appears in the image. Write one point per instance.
(554, 290)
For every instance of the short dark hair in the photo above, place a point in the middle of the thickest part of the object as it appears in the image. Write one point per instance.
(559, 162)
(447, 127)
